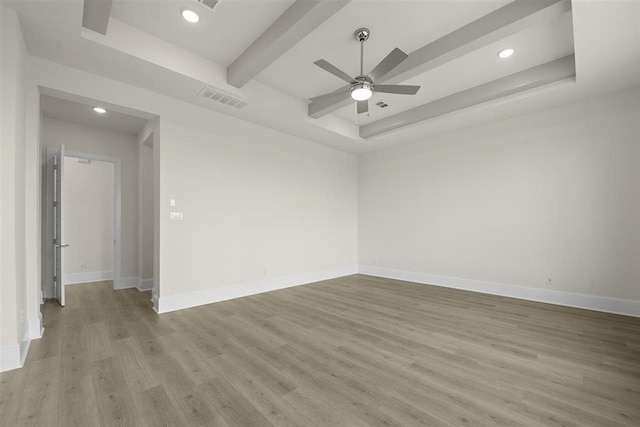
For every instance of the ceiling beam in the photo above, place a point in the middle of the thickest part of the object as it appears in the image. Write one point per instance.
(510, 19)
(95, 15)
(540, 75)
(293, 25)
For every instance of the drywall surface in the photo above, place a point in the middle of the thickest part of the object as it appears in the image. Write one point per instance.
(145, 158)
(257, 204)
(87, 139)
(13, 316)
(552, 195)
(89, 204)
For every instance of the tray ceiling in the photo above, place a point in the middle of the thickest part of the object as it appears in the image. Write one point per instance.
(263, 51)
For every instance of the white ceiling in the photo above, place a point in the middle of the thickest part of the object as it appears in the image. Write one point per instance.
(222, 33)
(76, 112)
(605, 35)
(295, 73)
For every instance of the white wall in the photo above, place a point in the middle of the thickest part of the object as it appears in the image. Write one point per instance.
(14, 336)
(88, 139)
(146, 208)
(88, 220)
(262, 209)
(552, 194)
(257, 205)
(145, 268)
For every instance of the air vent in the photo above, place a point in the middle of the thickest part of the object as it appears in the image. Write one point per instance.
(209, 4)
(382, 104)
(220, 97)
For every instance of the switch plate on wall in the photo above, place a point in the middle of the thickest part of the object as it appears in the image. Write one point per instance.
(172, 202)
(175, 216)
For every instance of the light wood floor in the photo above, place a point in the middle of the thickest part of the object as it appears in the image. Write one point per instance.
(356, 351)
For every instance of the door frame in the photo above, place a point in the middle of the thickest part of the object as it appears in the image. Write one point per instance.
(117, 189)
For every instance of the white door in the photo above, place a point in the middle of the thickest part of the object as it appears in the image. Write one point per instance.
(59, 243)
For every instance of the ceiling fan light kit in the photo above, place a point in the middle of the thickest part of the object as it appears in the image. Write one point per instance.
(363, 87)
(361, 91)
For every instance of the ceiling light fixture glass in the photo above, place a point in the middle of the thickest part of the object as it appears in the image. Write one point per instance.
(505, 53)
(189, 15)
(361, 91)
(99, 110)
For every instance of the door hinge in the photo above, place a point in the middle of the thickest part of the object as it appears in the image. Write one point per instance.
(55, 204)
(55, 241)
(55, 167)
(55, 278)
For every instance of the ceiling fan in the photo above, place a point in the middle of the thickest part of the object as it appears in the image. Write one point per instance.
(362, 87)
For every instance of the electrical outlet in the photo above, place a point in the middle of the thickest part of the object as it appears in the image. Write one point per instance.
(175, 216)
(83, 266)
(549, 281)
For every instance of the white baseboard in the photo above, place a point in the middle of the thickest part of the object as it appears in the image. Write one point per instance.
(135, 282)
(10, 358)
(589, 302)
(128, 282)
(24, 346)
(145, 285)
(13, 356)
(193, 299)
(87, 277)
(155, 300)
(35, 327)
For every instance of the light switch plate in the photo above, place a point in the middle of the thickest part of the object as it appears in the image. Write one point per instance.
(172, 202)
(175, 216)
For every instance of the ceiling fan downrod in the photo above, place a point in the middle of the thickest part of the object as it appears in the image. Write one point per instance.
(362, 35)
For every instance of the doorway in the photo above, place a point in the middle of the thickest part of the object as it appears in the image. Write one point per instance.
(84, 219)
(89, 220)
(125, 139)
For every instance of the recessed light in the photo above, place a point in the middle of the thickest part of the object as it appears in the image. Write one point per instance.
(505, 53)
(189, 15)
(99, 110)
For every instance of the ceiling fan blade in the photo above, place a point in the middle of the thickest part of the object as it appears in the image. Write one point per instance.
(362, 106)
(332, 96)
(334, 70)
(398, 89)
(391, 61)
(342, 90)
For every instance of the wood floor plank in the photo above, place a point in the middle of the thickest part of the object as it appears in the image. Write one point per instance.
(77, 402)
(193, 409)
(356, 351)
(233, 406)
(269, 403)
(114, 398)
(99, 345)
(41, 389)
(158, 409)
(135, 369)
